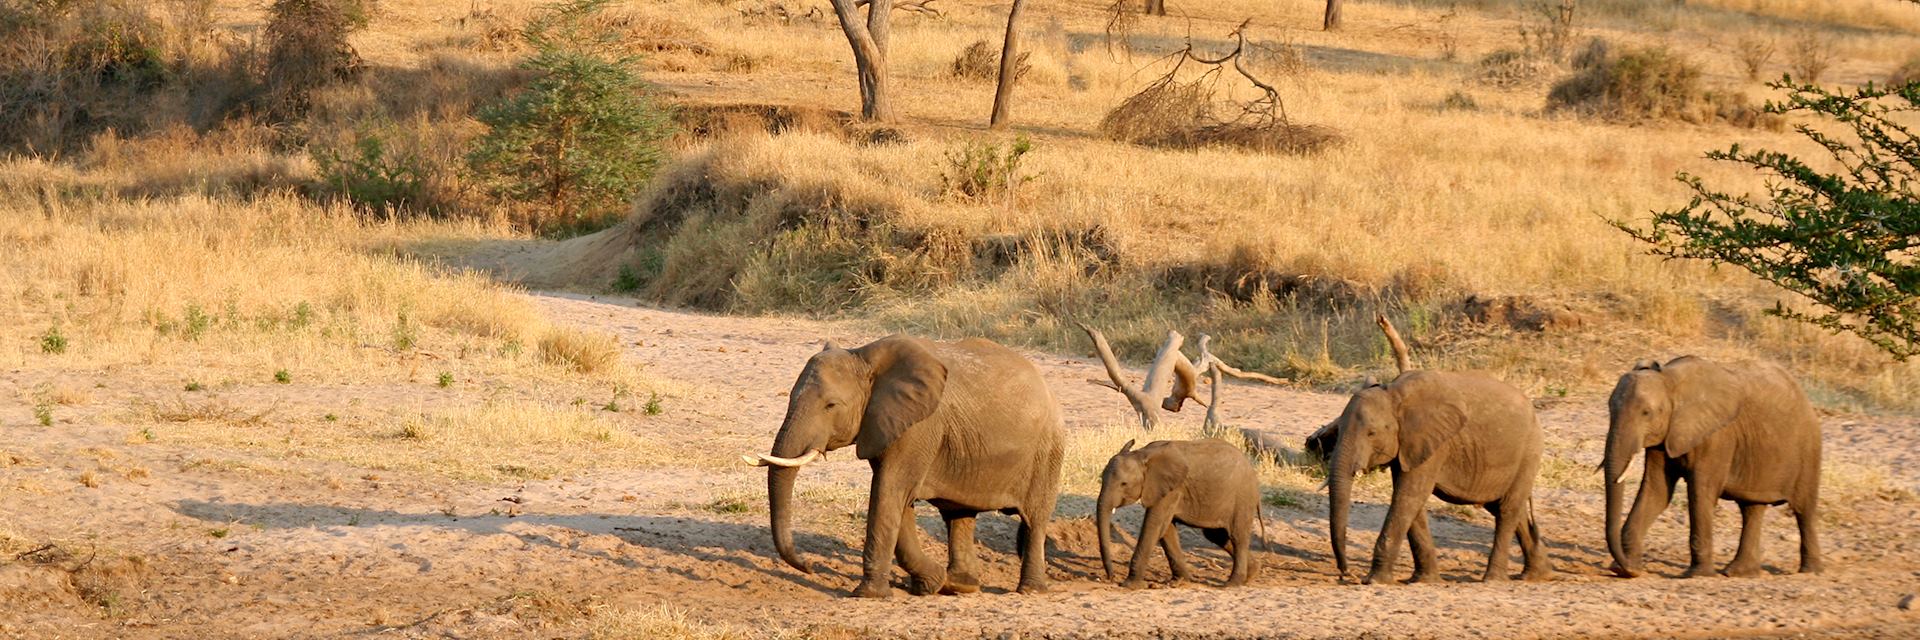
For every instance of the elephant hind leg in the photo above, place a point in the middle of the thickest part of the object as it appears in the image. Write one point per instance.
(1807, 514)
(1507, 515)
(1746, 560)
(962, 560)
(1033, 544)
(1534, 548)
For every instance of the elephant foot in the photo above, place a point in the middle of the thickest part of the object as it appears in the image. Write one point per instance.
(1133, 584)
(1814, 566)
(1699, 571)
(1495, 576)
(1424, 576)
(1033, 587)
(960, 583)
(925, 585)
(1625, 571)
(1542, 574)
(1377, 577)
(873, 589)
(1236, 581)
(1743, 570)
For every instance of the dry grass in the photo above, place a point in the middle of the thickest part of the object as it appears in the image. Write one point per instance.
(581, 351)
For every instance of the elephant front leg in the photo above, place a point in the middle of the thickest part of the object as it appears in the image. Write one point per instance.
(885, 504)
(1176, 557)
(1155, 525)
(1410, 491)
(1656, 493)
(1426, 563)
(925, 575)
(1702, 496)
(962, 561)
(1746, 560)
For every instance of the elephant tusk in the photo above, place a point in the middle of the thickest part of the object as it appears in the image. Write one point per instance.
(764, 460)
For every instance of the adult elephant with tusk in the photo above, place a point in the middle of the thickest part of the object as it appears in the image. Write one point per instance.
(967, 426)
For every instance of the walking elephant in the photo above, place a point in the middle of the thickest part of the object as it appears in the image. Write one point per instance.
(967, 426)
(1743, 432)
(1207, 484)
(1465, 437)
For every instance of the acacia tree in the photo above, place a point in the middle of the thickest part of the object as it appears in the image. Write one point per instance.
(1849, 241)
(1009, 69)
(867, 34)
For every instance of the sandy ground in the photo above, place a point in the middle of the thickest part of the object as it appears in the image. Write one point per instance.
(308, 548)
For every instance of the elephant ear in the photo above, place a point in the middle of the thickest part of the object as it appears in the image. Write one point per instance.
(907, 385)
(1426, 426)
(1704, 401)
(1166, 471)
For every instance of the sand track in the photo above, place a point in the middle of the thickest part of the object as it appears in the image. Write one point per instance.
(318, 549)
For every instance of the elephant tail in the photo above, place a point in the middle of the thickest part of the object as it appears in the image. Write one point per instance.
(1261, 514)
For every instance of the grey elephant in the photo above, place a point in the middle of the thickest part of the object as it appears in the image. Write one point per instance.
(1206, 484)
(967, 426)
(1464, 437)
(1741, 431)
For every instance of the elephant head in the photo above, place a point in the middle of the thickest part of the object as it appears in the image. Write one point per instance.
(866, 397)
(1382, 425)
(1675, 406)
(1143, 476)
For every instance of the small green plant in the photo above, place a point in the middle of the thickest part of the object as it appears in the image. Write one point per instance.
(1558, 390)
(281, 376)
(196, 323)
(611, 406)
(372, 176)
(1460, 101)
(1285, 499)
(220, 532)
(652, 407)
(405, 336)
(53, 341)
(43, 414)
(330, 418)
(981, 170)
(146, 434)
(302, 316)
(582, 134)
(446, 379)
(194, 385)
(628, 281)
(729, 505)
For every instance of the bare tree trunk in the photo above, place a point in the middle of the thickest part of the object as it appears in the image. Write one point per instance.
(1156, 7)
(1168, 365)
(869, 42)
(1009, 70)
(1333, 16)
(1400, 357)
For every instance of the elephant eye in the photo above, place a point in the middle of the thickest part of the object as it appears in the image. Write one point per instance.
(831, 405)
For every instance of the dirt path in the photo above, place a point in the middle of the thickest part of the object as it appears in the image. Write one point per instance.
(324, 550)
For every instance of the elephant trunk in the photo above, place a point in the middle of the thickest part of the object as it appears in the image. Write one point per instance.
(780, 496)
(1103, 519)
(1623, 441)
(1346, 460)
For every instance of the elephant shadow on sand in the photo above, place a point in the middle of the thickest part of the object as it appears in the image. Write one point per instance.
(746, 547)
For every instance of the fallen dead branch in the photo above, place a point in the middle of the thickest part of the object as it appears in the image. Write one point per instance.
(1170, 112)
(1172, 377)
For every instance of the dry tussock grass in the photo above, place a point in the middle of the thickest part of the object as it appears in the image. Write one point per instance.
(581, 351)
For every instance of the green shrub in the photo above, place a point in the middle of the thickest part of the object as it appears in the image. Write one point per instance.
(583, 135)
(371, 176)
(980, 170)
(53, 341)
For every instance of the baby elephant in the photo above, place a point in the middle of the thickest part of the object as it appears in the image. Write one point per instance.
(1206, 484)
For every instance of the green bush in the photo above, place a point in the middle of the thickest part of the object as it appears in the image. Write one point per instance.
(981, 170)
(583, 136)
(372, 176)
